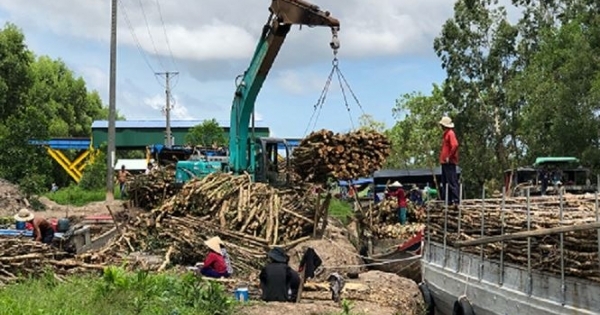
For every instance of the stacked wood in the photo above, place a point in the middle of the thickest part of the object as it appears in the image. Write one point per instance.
(324, 155)
(249, 217)
(580, 248)
(148, 191)
(20, 257)
(382, 221)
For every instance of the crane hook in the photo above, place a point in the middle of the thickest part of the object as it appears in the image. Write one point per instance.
(335, 42)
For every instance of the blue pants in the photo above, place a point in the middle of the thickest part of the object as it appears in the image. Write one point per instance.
(211, 273)
(402, 215)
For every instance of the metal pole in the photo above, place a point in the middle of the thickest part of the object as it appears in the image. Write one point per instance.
(482, 246)
(563, 287)
(598, 220)
(428, 230)
(530, 287)
(168, 133)
(112, 107)
(445, 223)
(168, 139)
(458, 258)
(502, 219)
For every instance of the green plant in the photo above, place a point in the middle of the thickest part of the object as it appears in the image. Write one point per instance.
(77, 196)
(94, 175)
(341, 210)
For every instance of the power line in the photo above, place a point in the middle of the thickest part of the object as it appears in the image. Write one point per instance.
(150, 35)
(162, 21)
(135, 39)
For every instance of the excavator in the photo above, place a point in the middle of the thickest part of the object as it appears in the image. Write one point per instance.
(258, 156)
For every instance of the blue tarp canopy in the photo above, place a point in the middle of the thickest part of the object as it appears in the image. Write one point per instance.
(360, 181)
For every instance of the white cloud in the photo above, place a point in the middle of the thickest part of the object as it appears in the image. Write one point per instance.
(178, 112)
(384, 27)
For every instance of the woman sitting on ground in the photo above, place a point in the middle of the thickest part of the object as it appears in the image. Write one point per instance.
(215, 265)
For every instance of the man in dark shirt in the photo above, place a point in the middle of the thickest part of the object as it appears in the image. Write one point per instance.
(278, 281)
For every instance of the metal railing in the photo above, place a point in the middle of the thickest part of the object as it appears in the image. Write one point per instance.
(501, 269)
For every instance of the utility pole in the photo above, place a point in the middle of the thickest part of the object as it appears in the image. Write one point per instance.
(110, 155)
(168, 135)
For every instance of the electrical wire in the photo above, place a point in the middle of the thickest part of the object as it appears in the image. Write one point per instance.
(162, 21)
(135, 38)
(157, 55)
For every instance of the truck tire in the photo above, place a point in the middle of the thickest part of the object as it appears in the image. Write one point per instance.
(427, 298)
(462, 306)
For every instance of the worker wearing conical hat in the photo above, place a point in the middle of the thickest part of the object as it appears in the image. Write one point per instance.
(214, 265)
(449, 161)
(398, 193)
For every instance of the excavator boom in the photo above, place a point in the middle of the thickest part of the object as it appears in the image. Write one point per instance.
(284, 14)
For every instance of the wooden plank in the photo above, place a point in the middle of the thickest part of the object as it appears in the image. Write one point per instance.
(518, 235)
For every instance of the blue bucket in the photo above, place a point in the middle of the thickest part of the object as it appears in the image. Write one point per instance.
(241, 294)
(20, 225)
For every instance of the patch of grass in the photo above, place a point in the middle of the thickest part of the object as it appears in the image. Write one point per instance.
(341, 210)
(74, 195)
(117, 293)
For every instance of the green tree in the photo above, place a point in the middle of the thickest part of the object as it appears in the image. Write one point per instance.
(368, 122)
(416, 135)
(478, 49)
(206, 134)
(39, 99)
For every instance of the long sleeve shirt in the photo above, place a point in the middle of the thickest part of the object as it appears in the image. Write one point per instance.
(215, 262)
(400, 195)
(449, 150)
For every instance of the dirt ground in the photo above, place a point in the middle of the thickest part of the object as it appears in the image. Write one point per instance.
(54, 210)
(12, 200)
(314, 308)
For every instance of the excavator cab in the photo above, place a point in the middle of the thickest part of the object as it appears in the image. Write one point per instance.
(270, 166)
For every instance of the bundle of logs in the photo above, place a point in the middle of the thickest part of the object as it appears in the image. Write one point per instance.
(382, 221)
(249, 217)
(22, 257)
(148, 191)
(580, 248)
(325, 154)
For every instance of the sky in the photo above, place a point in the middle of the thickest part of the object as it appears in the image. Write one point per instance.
(386, 51)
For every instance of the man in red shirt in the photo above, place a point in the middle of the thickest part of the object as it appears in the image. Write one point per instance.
(398, 192)
(449, 160)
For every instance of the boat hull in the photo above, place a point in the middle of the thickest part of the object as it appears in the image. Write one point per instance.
(493, 290)
(403, 261)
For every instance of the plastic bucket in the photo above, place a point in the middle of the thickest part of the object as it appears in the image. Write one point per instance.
(20, 225)
(241, 294)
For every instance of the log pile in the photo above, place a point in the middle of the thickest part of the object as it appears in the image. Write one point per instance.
(148, 191)
(382, 220)
(580, 248)
(248, 216)
(20, 257)
(325, 154)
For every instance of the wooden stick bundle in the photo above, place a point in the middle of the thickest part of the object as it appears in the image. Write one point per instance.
(148, 191)
(249, 216)
(382, 221)
(580, 247)
(22, 257)
(325, 154)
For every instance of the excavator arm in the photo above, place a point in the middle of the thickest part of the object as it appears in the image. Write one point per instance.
(284, 14)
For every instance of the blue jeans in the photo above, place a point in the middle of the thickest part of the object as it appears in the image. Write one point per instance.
(402, 215)
(211, 273)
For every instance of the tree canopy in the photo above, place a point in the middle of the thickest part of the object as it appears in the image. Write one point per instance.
(515, 90)
(40, 98)
(206, 134)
